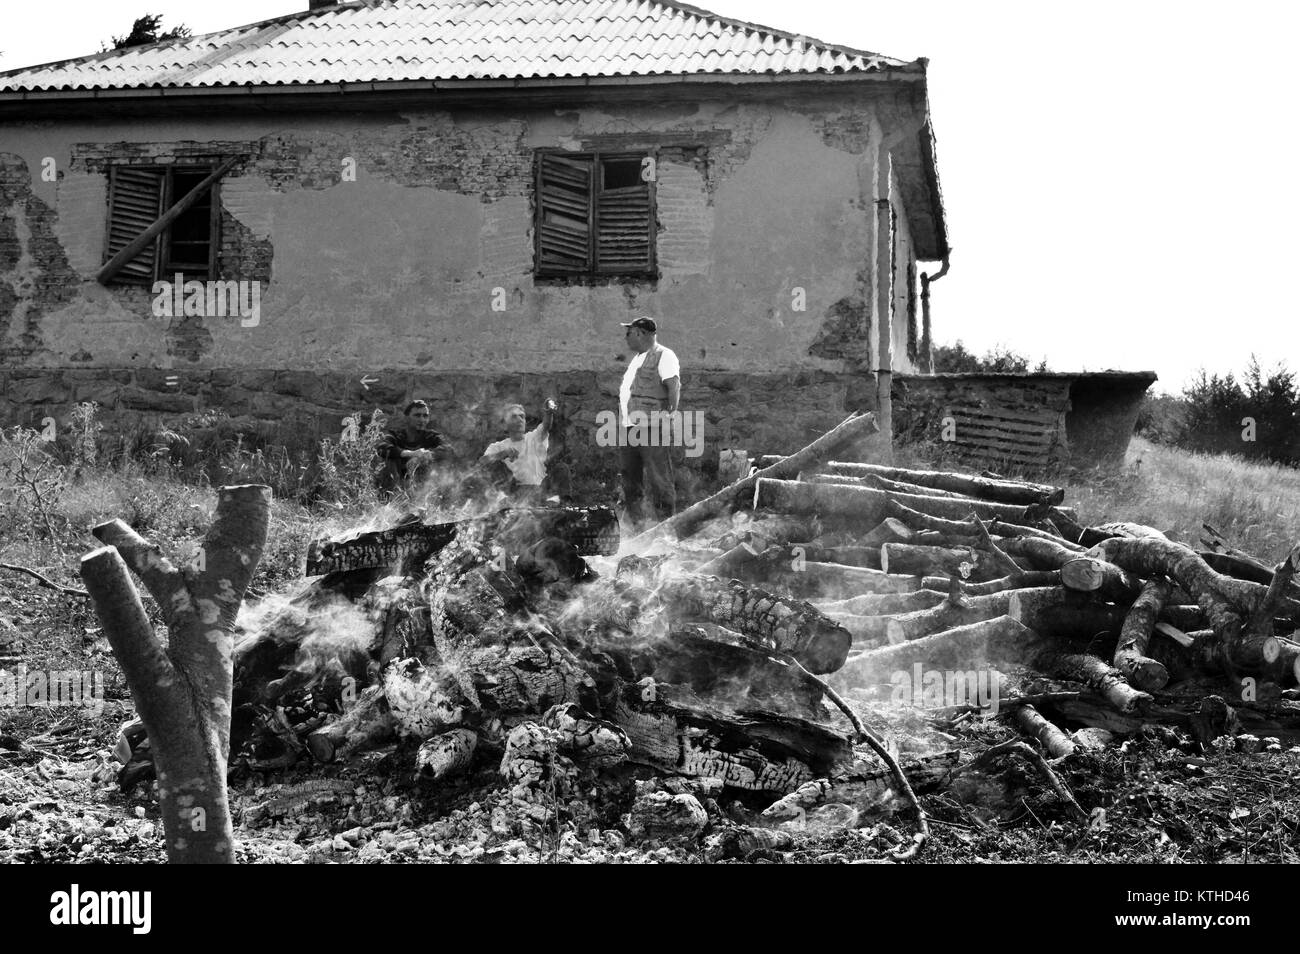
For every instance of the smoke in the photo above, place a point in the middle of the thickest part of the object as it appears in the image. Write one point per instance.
(334, 636)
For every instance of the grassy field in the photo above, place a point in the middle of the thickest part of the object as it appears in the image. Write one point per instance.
(1255, 506)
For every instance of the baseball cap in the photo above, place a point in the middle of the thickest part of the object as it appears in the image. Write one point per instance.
(644, 323)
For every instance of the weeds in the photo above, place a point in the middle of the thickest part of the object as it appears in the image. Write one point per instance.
(31, 482)
(347, 467)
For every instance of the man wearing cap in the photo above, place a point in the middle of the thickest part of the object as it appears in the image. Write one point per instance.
(652, 383)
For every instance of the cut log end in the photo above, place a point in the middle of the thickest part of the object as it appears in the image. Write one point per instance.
(1145, 674)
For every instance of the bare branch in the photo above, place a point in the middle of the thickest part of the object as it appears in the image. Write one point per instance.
(161, 578)
(45, 581)
(150, 674)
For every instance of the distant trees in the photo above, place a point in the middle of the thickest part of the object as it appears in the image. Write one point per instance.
(1256, 416)
(145, 30)
(955, 358)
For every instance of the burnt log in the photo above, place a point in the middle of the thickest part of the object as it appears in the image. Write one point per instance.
(746, 749)
(405, 548)
(366, 725)
(785, 625)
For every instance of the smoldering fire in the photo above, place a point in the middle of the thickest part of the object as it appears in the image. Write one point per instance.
(937, 689)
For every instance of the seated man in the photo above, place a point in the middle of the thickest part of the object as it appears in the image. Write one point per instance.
(409, 448)
(523, 453)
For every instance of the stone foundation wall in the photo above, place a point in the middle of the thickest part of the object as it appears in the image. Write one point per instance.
(297, 409)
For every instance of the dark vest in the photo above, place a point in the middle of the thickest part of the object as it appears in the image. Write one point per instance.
(648, 392)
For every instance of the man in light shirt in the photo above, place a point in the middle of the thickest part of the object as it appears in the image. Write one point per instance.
(524, 452)
(652, 383)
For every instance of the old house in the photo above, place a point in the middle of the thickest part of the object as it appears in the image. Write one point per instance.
(460, 200)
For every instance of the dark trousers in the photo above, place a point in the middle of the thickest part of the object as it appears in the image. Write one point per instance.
(648, 488)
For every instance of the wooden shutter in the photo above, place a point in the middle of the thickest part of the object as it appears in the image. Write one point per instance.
(624, 224)
(134, 202)
(564, 213)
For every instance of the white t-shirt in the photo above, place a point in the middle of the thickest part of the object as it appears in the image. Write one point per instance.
(668, 368)
(529, 468)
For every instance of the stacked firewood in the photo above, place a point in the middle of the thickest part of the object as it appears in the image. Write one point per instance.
(957, 572)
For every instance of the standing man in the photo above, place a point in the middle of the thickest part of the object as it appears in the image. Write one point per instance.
(407, 448)
(652, 383)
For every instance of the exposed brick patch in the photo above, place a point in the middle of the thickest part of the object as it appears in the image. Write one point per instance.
(33, 264)
(845, 332)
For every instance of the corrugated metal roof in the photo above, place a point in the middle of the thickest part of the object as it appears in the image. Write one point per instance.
(388, 40)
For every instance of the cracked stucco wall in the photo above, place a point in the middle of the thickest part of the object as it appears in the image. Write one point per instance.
(398, 268)
(395, 273)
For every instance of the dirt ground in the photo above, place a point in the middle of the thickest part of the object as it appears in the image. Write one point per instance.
(1151, 798)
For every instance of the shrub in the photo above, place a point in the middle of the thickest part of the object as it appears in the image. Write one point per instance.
(999, 359)
(347, 466)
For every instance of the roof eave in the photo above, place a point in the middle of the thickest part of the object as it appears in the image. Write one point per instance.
(908, 73)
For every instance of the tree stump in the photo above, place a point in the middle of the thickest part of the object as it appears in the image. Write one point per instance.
(183, 692)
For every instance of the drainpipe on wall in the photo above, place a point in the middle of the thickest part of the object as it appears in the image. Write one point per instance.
(884, 303)
(927, 341)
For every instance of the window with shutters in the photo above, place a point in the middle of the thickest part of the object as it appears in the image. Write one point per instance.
(139, 195)
(595, 214)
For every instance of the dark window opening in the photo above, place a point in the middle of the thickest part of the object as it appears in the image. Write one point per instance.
(138, 196)
(622, 173)
(595, 214)
(188, 240)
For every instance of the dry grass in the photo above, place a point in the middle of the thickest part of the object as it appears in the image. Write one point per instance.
(1255, 506)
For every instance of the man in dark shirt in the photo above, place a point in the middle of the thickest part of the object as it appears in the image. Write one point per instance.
(409, 448)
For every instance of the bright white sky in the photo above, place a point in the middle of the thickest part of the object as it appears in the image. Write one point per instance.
(1120, 177)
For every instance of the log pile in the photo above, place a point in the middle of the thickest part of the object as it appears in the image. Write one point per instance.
(719, 647)
(1135, 623)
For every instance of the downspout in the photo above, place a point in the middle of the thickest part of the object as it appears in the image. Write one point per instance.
(884, 302)
(927, 341)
